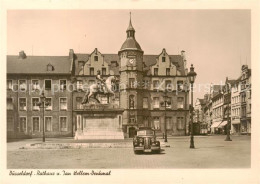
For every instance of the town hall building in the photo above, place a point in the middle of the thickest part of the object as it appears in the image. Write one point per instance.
(152, 91)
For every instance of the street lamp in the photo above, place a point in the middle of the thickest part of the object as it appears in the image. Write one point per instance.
(165, 97)
(192, 75)
(228, 98)
(43, 104)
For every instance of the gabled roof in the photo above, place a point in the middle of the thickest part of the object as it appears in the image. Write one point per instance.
(216, 89)
(38, 65)
(148, 60)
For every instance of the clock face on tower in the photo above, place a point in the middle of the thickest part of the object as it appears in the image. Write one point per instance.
(132, 61)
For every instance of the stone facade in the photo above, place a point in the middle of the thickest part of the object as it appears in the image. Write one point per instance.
(139, 100)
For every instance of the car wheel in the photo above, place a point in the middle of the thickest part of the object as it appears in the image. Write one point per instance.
(137, 152)
(157, 151)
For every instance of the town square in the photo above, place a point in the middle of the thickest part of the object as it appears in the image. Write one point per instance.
(97, 90)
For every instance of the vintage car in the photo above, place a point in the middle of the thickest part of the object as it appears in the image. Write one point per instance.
(145, 141)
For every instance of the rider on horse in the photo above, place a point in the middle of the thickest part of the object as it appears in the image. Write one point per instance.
(101, 81)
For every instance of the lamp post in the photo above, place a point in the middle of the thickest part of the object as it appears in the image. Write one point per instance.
(228, 125)
(165, 97)
(192, 75)
(43, 104)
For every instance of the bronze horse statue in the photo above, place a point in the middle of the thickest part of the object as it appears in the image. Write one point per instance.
(96, 89)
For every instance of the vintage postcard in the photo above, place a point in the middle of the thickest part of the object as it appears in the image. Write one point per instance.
(129, 94)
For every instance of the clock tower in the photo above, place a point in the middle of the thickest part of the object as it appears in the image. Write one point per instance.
(131, 78)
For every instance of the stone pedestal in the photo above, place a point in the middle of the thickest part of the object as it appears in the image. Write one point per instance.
(99, 134)
(99, 124)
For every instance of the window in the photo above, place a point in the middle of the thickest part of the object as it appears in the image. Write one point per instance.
(10, 105)
(104, 71)
(167, 71)
(91, 71)
(156, 123)
(79, 85)
(180, 103)
(50, 67)
(95, 58)
(180, 123)
(35, 85)
(79, 124)
(163, 59)
(48, 124)
(131, 101)
(47, 84)
(155, 84)
(22, 85)
(9, 84)
(10, 123)
(35, 104)
(155, 71)
(131, 82)
(23, 124)
(156, 102)
(146, 122)
(132, 120)
(63, 103)
(146, 84)
(168, 123)
(22, 104)
(180, 85)
(36, 124)
(63, 85)
(145, 103)
(63, 124)
(169, 103)
(78, 103)
(168, 85)
(48, 103)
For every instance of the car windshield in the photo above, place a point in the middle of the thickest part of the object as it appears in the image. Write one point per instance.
(145, 132)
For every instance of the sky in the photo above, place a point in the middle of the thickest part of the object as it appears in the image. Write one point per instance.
(216, 42)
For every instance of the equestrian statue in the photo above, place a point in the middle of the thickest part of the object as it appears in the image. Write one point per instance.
(103, 86)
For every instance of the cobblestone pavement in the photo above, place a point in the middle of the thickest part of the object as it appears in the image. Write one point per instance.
(210, 152)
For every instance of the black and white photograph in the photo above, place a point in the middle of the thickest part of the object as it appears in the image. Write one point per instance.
(92, 91)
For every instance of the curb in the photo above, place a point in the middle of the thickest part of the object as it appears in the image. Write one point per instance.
(81, 145)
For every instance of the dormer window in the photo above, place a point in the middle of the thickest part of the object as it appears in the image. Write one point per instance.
(167, 71)
(50, 67)
(155, 71)
(163, 59)
(95, 58)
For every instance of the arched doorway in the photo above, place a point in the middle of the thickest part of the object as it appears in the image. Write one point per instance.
(132, 132)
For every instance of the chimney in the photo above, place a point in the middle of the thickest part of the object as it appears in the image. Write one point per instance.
(183, 55)
(22, 55)
(71, 54)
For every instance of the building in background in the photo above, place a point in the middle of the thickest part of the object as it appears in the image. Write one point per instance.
(26, 77)
(236, 107)
(235, 103)
(245, 95)
(227, 105)
(199, 119)
(139, 101)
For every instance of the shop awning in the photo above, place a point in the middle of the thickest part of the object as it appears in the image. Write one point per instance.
(223, 123)
(215, 124)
